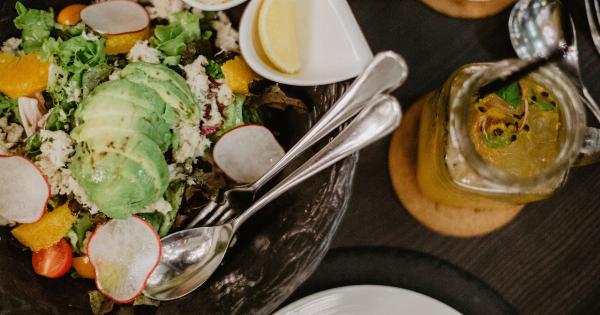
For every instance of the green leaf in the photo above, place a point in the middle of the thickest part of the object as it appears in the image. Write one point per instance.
(60, 116)
(79, 229)
(496, 142)
(213, 69)
(8, 105)
(544, 106)
(32, 146)
(171, 39)
(35, 26)
(174, 196)
(155, 219)
(233, 114)
(511, 94)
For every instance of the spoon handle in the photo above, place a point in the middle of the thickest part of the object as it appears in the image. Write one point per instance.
(384, 74)
(376, 121)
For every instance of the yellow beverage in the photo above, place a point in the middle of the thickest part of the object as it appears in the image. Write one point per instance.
(518, 129)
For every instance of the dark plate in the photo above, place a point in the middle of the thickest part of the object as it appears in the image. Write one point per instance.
(405, 269)
(274, 254)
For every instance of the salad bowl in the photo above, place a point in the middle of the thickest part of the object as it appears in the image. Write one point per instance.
(272, 255)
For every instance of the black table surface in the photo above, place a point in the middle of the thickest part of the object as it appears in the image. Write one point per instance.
(547, 261)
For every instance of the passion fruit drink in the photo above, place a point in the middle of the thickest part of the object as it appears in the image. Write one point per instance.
(518, 129)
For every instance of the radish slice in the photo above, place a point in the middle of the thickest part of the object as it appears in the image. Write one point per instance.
(24, 190)
(246, 153)
(115, 17)
(124, 253)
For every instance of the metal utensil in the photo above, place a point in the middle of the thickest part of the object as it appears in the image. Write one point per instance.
(190, 257)
(386, 72)
(538, 29)
(592, 9)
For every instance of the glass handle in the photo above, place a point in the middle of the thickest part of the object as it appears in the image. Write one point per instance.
(590, 151)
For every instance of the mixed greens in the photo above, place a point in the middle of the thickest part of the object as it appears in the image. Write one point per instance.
(120, 125)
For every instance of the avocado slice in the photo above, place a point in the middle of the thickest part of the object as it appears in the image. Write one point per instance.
(160, 134)
(185, 109)
(162, 73)
(117, 184)
(120, 91)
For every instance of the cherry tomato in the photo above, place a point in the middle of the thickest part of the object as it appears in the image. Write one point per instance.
(53, 262)
(84, 267)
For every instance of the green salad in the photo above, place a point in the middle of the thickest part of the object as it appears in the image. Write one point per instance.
(120, 125)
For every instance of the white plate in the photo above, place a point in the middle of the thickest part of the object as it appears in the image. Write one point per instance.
(367, 300)
(332, 45)
(214, 7)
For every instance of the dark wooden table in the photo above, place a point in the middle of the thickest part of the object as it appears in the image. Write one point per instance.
(547, 261)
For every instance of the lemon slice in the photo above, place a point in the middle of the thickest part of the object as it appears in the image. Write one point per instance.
(277, 34)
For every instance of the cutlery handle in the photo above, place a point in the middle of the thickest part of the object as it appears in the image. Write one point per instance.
(380, 118)
(384, 74)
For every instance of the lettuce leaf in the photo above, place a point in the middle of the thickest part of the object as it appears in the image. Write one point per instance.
(233, 114)
(8, 105)
(172, 39)
(35, 26)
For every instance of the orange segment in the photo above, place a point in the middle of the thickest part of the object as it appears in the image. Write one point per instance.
(238, 75)
(46, 232)
(84, 267)
(22, 76)
(70, 15)
(122, 43)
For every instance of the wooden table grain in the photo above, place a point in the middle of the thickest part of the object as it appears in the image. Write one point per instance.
(547, 261)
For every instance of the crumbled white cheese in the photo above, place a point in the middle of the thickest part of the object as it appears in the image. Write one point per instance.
(142, 52)
(191, 143)
(10, 135)
(197, 78)
(209, 96)
(225, 94)
(89, 36)
(56, 151)
(161, 206)
(227, 37)
(11, 46)
(164, 8)
(73, 91)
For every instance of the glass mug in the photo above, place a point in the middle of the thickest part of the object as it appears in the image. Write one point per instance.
(454, 168)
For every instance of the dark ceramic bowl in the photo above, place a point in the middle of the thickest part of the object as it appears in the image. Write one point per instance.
(275, 252)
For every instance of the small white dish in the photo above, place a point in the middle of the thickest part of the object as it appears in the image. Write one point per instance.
(332, 45)
(367, 300)
(214, 7)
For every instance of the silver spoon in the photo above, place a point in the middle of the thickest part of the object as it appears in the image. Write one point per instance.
(538, 29)
(190, 257)
(386, 72)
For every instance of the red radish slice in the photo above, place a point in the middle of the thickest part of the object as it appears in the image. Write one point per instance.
(124, 254)
(246, 153)
(115, 17)
(24, 190)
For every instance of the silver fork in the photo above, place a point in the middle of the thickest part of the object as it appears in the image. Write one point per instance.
(384, 74)
(592, 9)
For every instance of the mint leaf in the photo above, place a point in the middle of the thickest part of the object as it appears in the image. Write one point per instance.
(544, 106)
(213, 69)
(511, 94)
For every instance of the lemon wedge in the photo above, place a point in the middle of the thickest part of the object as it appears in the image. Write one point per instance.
(278, 35)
